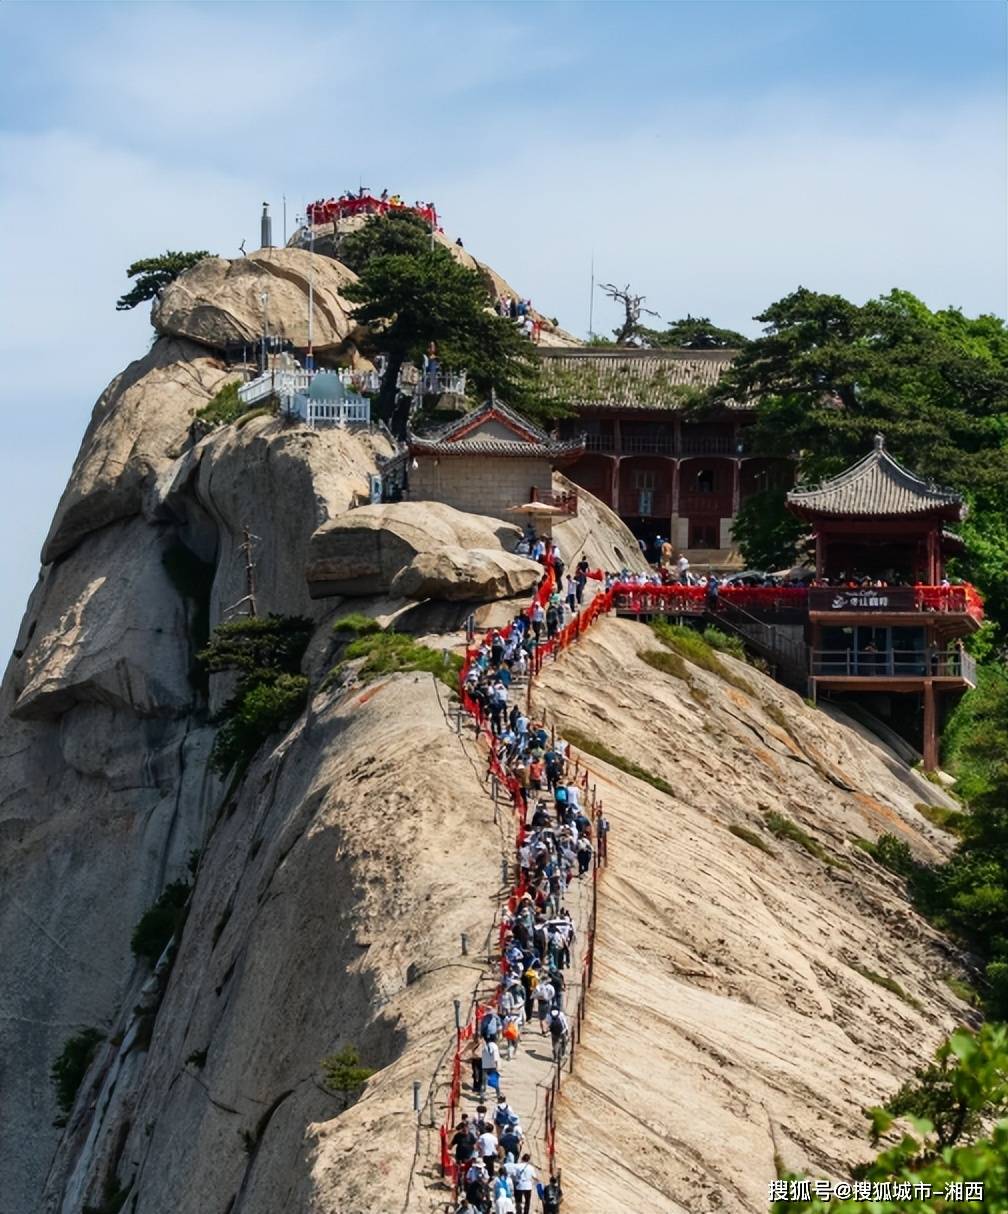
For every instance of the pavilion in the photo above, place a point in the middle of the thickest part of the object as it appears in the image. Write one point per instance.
(882, 619)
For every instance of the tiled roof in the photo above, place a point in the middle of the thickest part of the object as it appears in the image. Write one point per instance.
(529, 442)
(632, 379)
(498, 446)
(876, 486)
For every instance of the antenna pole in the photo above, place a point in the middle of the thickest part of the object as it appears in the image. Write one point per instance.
(284, 196)
(310, 359)
(591, 300)
(249, 572)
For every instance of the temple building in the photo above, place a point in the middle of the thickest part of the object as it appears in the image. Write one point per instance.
(886, 625)
(489, 461)
(663, 471)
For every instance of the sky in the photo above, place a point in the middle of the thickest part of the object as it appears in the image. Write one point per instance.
(715, 155)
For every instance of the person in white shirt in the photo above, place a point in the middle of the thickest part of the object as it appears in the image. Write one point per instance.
(486, 1147)
(524, 1179)
(573, 796)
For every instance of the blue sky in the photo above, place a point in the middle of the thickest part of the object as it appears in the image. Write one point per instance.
(715, 155)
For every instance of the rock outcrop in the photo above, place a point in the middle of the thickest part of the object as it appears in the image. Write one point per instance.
(218, 303)
(140, 421)
(361, 552)
(476, 575)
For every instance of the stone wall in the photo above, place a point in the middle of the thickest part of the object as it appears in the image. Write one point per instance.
(480, 486)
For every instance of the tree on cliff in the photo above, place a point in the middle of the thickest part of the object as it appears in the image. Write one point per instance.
(155, 273)
(828, 374)
(694, 333)
(410, 299)
(383, 235)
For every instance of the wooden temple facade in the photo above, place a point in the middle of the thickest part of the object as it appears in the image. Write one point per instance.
(664, 472)
(885, 624)
(488, 462)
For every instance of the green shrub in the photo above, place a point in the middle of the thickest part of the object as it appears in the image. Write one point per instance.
(783, 828)
(392, 652)
(226, 407)
(951, 820)
(260, 708)
(267, 653)
(889, 984)
(592, 747)
(690, 645)
(724, 642)
(342, 1071)
(750, 837)
(160, 921)
(356, 623)
(966, 991)
(892, 853)
(667, 663)
(68, 1071)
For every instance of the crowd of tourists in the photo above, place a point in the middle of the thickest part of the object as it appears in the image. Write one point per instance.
(361, 202)
(556, 846)
(520, 311)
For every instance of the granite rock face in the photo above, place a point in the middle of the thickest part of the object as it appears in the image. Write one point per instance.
(218, 303)
(466, 575)
(361, 552)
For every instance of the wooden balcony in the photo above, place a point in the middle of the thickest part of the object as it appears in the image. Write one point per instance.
(894, 669)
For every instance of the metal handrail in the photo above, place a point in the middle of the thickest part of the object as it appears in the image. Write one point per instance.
(856, 663)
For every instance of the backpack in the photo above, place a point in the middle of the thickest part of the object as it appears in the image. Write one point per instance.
(533, 979)
(561, 794)
(490, 1026)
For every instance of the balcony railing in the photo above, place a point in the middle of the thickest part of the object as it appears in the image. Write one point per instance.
(708, 444)
(648, 444)
(565, 500)
(339, 413)
(710, 505)
(894, 664)
(596, 442)
(945, 600)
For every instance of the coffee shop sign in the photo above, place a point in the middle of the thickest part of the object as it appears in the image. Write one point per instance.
(860, 600)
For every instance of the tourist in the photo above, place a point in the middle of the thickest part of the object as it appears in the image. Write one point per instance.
(545, 995)
(491, 1059)
(486, 1148)
(712, 592)
(559, 1032)
(464, 1141)
(572, 594)
(524, 1183)
(503, 1195)
(551, 1195)
(682, 569)
(476, 1063)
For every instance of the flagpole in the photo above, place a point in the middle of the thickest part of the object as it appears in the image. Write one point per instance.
(591, 300)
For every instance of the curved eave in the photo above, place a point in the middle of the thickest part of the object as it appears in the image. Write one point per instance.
(949, 511)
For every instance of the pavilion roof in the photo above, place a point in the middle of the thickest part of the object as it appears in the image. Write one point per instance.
(877, 487)
(593, 378)
(469, 435)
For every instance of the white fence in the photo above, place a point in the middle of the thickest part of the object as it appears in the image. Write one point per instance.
(280, 384)
(339, 413)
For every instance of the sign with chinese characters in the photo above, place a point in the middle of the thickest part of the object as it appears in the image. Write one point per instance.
(867, 1190)
(862, 598)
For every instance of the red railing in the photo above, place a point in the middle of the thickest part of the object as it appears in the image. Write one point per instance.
(599, 605)
(630, 598)
(563, 499)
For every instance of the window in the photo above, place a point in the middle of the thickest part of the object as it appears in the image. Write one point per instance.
(703, 535)
(645, 501)
(644, 479)
(705, 480)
